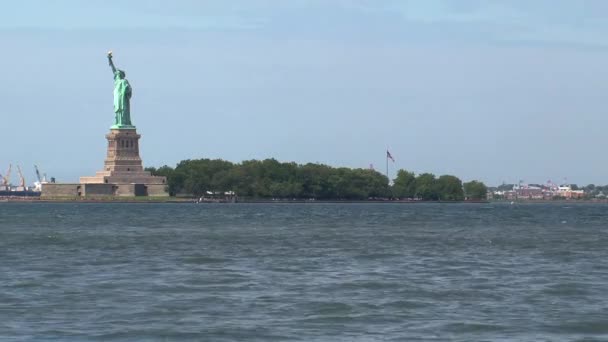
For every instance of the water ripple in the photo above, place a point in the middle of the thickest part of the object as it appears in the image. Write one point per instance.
(309, 272)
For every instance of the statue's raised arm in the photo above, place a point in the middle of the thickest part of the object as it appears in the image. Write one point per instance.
(111, 62)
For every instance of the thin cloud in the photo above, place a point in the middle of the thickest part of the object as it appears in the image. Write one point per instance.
(542, 22)
(480, 22)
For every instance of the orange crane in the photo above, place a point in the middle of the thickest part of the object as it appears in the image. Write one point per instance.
(21, 177)
(7, 178)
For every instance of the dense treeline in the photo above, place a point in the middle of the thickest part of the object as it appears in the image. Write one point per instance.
(270, 178)
(427, 187)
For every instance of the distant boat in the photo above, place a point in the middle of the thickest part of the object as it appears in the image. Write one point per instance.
(19, 192)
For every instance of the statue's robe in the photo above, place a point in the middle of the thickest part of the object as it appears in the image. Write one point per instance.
(122, 100)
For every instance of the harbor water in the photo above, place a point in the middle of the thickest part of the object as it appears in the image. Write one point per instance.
(303, 272)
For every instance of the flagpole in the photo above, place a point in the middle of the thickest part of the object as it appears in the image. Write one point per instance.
(389, 180)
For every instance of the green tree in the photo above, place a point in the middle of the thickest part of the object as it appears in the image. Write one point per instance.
(426, 187)
(404, 185)
(475, 190)
(450, 188)
(376, 184)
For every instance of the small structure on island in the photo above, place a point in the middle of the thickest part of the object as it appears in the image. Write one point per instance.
(123, 173)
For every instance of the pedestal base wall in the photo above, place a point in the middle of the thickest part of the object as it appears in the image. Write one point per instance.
(92, 190)
(123, 173)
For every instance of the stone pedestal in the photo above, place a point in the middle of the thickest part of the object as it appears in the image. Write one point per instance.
(123, 167)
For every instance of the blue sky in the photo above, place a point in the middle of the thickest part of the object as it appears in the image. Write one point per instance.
(490, 90)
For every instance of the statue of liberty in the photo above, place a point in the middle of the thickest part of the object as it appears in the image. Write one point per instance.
(122, 97)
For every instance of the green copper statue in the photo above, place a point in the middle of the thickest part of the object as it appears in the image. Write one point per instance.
(122, 97)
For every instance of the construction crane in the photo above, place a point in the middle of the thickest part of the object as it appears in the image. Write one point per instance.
(22, 179)
(38, 174)
(41, 180)
(6, 179)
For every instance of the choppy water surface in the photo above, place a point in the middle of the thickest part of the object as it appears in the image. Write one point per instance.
(309, 272)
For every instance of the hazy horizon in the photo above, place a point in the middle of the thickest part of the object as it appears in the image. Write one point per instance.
(491, 90)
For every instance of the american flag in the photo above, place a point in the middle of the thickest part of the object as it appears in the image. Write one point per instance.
(389, 156)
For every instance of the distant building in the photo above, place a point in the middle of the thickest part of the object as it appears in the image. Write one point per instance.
(566, 191)
(533, 192)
